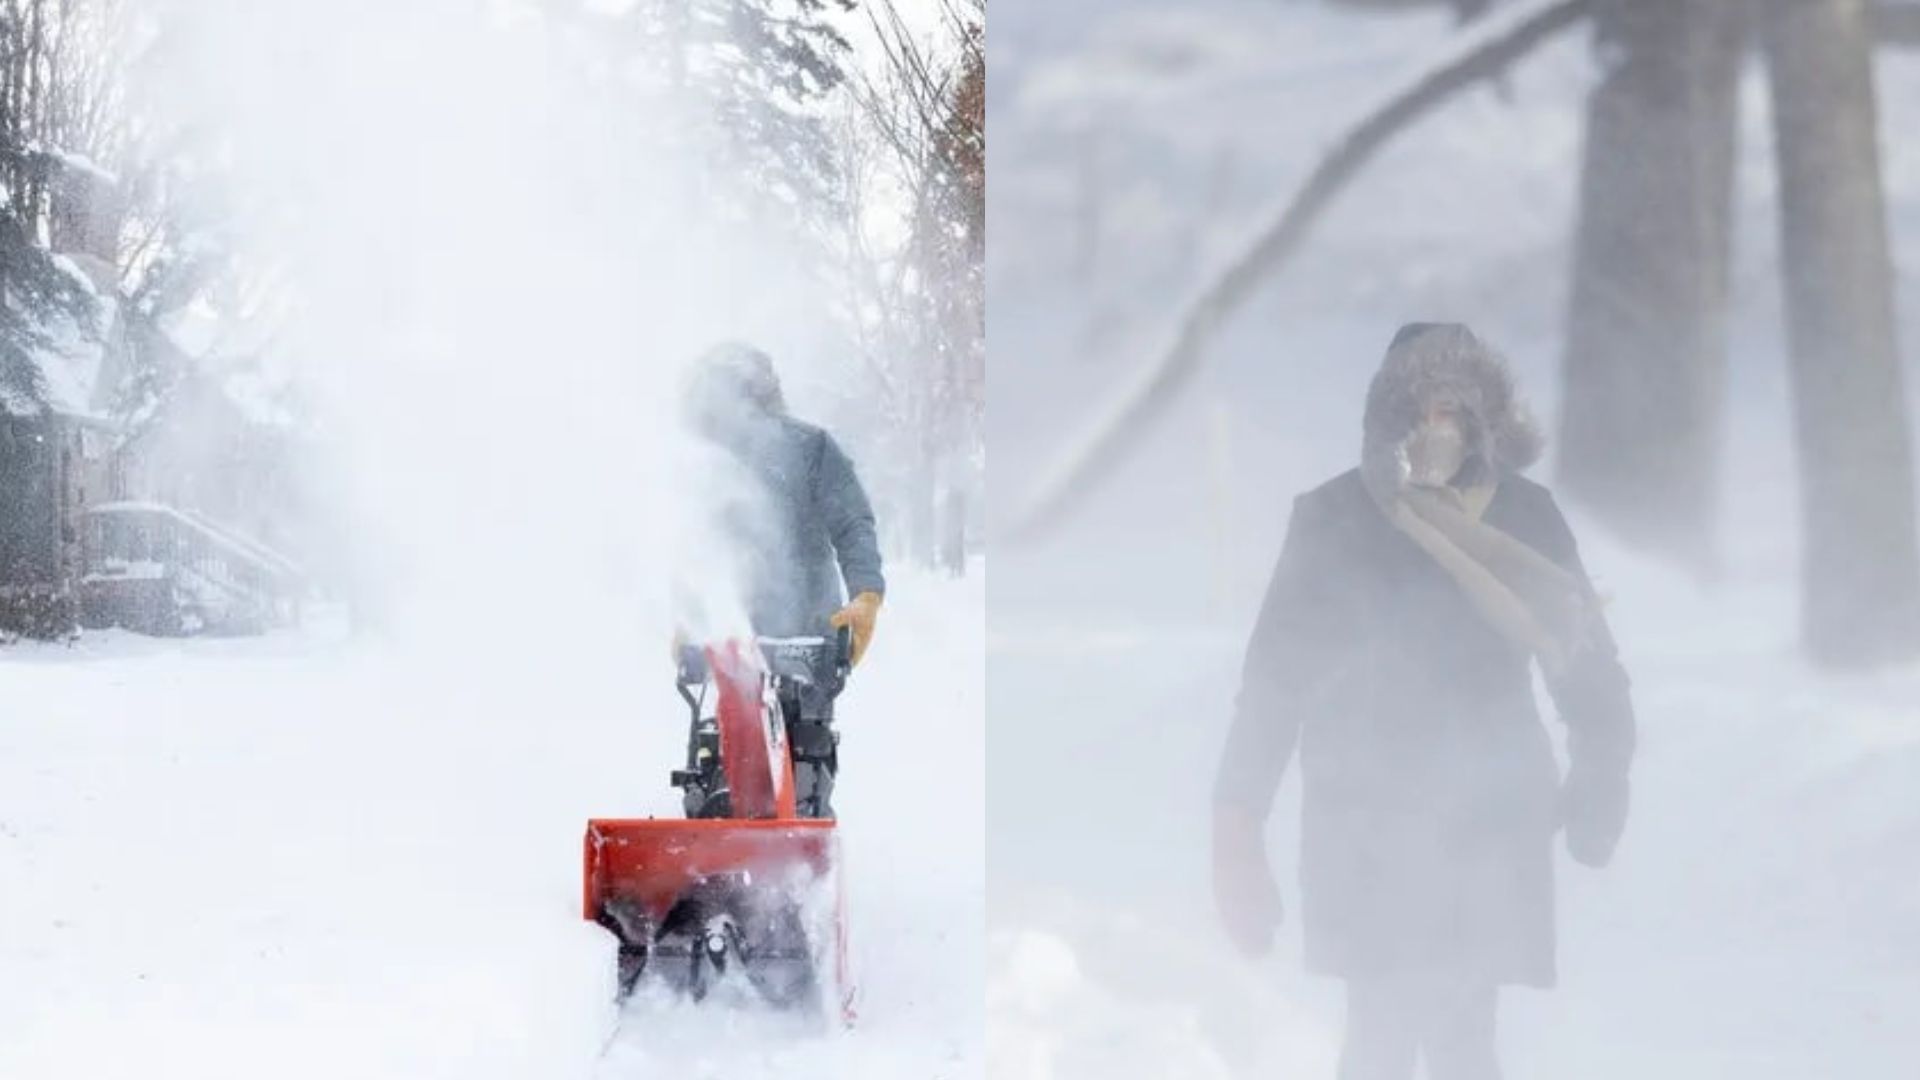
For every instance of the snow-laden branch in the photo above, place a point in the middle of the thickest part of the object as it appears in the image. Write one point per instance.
(1488, 48)
(72, 161)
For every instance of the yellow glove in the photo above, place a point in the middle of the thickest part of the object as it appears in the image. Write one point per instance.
(860, 615)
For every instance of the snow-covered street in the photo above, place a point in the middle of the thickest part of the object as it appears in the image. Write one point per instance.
(512, 341)
(310, 855)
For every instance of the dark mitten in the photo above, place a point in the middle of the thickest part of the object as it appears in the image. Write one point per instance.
(1593, 808)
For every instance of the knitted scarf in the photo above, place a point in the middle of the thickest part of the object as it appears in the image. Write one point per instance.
(1528, 598)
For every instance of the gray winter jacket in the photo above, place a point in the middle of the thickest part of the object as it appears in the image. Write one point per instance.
(804, 526)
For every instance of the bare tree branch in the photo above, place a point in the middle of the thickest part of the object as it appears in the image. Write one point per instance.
(1489, 48)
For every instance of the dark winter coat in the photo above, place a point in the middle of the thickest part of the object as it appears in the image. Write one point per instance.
(803, 527)
(1431, 793)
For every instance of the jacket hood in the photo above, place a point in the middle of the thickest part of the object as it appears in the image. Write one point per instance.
(731, 386)
(1429, 363)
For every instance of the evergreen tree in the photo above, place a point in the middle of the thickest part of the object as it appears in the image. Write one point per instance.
(34, 290)
(37, 40)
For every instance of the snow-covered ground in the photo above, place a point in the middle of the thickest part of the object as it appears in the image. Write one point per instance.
(313, 855)
(1763, 917)
(1762, 920)
(484, 256)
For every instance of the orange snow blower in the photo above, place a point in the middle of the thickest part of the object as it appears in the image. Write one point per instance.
(744, 884)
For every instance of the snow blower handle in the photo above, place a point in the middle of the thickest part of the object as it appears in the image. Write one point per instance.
(690, 673)
(843, 653)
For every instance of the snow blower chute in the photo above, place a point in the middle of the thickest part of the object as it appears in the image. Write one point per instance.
(743, 884)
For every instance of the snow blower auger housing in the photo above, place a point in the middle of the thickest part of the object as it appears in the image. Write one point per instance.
(743, 883)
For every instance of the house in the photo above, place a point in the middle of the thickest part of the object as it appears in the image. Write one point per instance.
(146, 522)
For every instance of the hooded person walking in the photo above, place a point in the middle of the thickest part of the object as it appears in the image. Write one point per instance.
(1394, 651)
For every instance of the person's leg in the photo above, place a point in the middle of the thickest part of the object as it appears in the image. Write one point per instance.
(1383, 1034)
(1458, 1042)
(813, 786)
(816, 752)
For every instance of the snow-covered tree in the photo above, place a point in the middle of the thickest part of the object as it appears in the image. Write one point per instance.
(49, 123)
(759, 71)
(918, 304)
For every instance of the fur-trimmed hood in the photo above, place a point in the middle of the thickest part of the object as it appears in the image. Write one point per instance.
(1430, 362)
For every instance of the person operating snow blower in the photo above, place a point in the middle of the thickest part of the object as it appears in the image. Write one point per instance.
(1395, 649)
(802, 533)
(748, 886)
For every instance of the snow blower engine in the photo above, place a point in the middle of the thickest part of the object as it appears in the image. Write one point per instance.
(744, 884)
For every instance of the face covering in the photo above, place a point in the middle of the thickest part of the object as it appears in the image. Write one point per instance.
(1435, 451)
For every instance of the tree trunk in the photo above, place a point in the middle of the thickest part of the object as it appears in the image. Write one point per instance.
(1641, 420)
(1860, 600)
(1897, 23)
(953, 530)
(923, 509)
